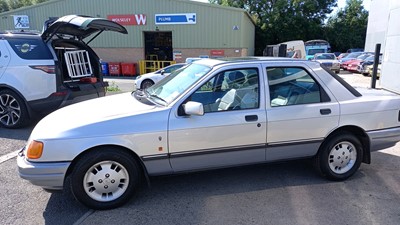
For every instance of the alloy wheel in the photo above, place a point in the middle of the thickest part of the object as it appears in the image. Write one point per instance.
(10, 110)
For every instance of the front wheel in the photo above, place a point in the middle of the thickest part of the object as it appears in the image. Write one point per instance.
(105, 178)
(339, 157)
(146, 84)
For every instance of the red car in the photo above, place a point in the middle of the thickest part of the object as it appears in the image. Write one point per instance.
(346, 64)
(353, 65)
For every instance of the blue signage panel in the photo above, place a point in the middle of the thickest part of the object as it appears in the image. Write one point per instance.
(181, 18)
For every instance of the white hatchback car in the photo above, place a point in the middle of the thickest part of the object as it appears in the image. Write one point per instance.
(148, 79)
(211, 114)
(43, 72)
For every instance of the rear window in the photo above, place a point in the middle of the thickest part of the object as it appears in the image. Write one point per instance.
(344, 83)
(30, 48)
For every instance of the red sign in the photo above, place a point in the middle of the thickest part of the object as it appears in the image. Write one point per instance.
(217, 52)
(126, 20)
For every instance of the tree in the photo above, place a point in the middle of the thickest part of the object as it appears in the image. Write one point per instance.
(284, 20)
(4, 6)
(348, 28)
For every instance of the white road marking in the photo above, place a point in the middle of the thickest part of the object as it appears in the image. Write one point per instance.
(86, 215)
(8, 156)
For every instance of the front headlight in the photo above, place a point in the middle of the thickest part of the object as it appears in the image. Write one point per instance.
(35, 150)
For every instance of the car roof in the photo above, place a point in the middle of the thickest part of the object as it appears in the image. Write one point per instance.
(20, 35)
(220, 61)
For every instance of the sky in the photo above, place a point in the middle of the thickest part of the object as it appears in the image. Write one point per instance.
(341, 3)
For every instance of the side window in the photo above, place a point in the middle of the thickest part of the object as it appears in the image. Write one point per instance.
(30, 48)
(292, 86)
(230, 90)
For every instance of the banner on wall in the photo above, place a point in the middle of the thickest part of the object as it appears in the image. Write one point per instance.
(21, 22)
(180, 18)
(128, 20)
(217, 52)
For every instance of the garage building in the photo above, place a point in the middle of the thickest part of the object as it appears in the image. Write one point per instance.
(157, 29)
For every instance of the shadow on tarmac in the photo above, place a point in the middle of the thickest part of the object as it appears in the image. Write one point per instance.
(289, 193)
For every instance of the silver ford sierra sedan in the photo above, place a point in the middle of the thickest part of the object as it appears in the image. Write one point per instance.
(213, 113)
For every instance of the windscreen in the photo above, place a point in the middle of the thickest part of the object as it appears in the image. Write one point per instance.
(169, 88)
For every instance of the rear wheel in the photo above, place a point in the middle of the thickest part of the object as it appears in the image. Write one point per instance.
(105, 178)
(147, 84)
(340, 157)
(13, 112)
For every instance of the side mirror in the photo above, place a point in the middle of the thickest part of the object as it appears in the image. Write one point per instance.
(162, 72)
(194, 108)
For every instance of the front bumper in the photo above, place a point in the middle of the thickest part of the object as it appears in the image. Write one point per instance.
(381, 139)
(48, 175)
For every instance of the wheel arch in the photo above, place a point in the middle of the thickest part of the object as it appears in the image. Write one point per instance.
(360, 134)
(120, 148)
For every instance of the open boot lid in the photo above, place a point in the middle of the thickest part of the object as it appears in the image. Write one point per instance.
(80, 27)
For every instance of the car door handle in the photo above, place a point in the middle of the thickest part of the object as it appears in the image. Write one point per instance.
(251, 118)
(325, 111)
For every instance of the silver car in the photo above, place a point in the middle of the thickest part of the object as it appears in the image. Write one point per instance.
(211, 114)
(329, 60)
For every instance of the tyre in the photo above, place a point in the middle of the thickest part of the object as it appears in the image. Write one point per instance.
(105, 178)
(147, 84)
(339, 157)
(13, 112)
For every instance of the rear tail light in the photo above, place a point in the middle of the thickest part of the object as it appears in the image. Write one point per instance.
(47, 69)
(60, 93)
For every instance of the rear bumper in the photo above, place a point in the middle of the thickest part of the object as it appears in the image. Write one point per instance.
(46, 175)
(381, 139)
(66, 96)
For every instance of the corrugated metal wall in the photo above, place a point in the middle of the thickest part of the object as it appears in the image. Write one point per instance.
(216, 26)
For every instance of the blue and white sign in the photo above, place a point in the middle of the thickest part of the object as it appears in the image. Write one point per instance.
(181, 18)
(21, 22)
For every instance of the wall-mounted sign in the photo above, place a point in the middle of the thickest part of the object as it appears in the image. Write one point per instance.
(177, 55)
(181, 18)
(216, 52)
(21, 22)
(129, 20)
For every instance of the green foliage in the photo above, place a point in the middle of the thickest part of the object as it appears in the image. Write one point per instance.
(348, 28)
(4, 6)
(285, 20)
(113, 87)
(278, 21)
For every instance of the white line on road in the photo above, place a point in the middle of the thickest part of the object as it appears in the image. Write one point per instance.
(86, 215)
(8, 156)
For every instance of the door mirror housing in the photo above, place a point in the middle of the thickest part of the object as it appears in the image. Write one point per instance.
(194, 108)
